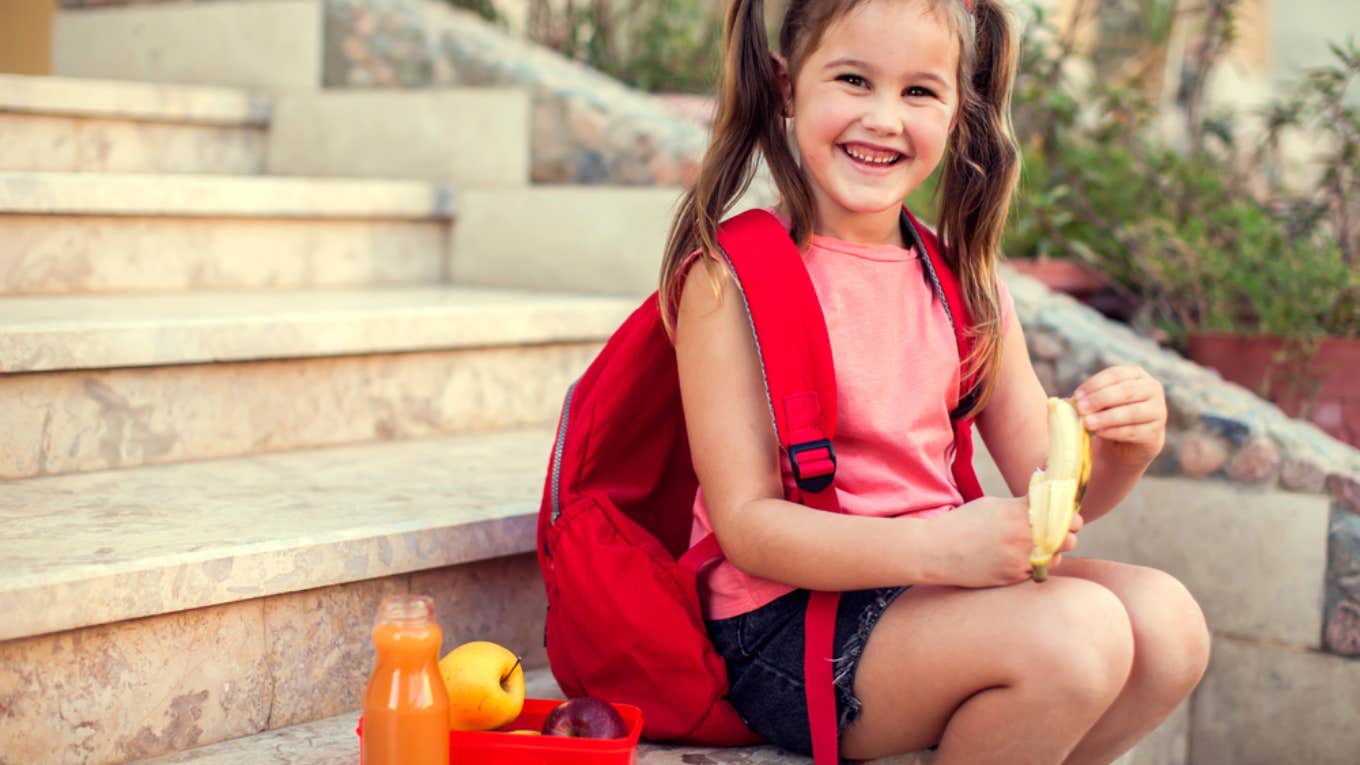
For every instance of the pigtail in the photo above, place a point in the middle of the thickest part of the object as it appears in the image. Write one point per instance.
(749, 116)
(982, 168)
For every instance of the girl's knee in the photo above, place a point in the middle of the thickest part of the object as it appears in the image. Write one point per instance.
(1079, 641)
(1170, 626)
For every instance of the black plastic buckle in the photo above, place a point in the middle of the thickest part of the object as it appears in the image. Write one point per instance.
(815, 483)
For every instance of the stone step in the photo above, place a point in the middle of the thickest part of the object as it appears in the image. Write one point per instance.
(97, 548)
(595, 239)
(62, 124)
(332, 741)
(260, 578)
(210, 196)
(149, 611)
(295, 370)
(275, 45)
(472, 137)
(56, 333)
(82, 232)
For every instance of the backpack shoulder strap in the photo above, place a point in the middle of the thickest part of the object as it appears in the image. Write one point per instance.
(947, 286)
(792, 345)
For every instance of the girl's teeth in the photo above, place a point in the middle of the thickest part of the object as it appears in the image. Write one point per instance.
(870, 160)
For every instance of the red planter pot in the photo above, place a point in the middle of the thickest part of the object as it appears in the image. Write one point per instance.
(1070, 276)
(1324, 389)
(1082, 282)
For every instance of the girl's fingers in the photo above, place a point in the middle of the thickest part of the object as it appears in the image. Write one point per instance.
(1131, 433)
(1137, 413)
(1107, 377)
(1119, 392)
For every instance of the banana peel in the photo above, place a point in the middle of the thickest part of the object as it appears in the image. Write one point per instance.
(1055, 492)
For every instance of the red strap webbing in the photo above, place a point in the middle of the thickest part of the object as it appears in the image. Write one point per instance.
(795, 354)
(964, 475)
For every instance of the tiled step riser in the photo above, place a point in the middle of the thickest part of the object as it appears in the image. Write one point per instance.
(70, 144)
(590, 240)
(1262, 702)
(152, 686)
(469, 137)
(78, 254)
(85, 421)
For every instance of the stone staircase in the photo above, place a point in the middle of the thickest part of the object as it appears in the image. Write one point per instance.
(244, 407)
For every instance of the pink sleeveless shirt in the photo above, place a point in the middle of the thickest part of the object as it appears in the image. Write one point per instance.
(897, 378)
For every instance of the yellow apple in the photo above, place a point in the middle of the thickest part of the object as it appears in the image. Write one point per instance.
(485, 682)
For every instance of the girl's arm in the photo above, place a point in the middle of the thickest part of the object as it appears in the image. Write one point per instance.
(736, 456)
(1125, 411)
(1014, 425)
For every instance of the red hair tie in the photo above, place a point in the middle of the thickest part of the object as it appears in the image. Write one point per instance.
(969, 4)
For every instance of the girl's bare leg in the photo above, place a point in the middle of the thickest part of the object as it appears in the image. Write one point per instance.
(1015, 675)
(1170, 654)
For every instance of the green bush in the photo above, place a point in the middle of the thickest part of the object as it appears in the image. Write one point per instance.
(653, 45)
(1205, 236)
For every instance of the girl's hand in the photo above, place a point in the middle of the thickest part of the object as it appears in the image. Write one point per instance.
(986, 543)
(1125, 409)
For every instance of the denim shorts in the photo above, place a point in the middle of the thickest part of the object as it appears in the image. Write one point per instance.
(763, 650)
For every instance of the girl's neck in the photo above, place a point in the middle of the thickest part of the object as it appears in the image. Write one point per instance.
(880, 228)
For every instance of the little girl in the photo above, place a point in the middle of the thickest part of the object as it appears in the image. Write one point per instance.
(941, 638)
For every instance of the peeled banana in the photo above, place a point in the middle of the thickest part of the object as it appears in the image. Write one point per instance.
(1055, 493)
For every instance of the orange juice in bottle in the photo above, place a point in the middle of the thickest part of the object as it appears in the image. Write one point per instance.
(406, 709)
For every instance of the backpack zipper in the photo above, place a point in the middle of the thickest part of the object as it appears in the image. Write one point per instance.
(559, 446)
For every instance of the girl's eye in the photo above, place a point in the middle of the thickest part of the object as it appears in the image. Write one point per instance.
(919, 92)
(853, 79)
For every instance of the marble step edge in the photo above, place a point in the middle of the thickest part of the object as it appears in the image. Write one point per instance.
(133, 101)
(220, 196)
(53, 333)
(97, 548)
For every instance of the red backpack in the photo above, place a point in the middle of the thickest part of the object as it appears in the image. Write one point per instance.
(624, 620)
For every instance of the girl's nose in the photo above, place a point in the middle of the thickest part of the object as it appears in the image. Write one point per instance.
(883, 116)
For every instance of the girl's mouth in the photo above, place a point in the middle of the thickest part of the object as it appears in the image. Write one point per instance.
(877, 158)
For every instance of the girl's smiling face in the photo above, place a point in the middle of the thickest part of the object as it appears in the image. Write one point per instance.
(872, 108)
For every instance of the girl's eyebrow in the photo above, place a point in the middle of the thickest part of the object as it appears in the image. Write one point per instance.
(847, 61)
(855, 63)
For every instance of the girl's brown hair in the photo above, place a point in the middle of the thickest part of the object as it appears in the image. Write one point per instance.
(981, 163)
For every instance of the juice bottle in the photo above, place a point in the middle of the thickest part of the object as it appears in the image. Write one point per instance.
(406, 709)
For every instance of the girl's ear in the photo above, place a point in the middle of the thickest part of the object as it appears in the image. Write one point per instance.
(781, 76)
